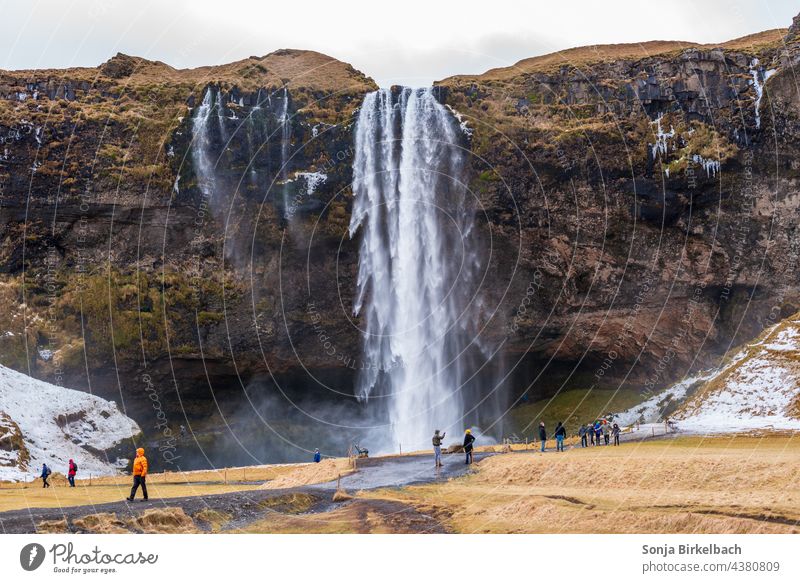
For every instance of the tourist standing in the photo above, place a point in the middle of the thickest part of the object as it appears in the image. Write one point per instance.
(73, 469)
(468, 440)
(582, 433)
(317, 456)
(615, 431)
(437, 448)
(542, 434)
(561, 433)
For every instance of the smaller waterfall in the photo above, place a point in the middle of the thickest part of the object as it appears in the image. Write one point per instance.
(286, 137)
(201, 146)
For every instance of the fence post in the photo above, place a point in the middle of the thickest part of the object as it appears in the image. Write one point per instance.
(401, 448)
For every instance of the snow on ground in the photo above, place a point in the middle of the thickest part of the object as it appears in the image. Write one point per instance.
(57, 424)
(758, 389)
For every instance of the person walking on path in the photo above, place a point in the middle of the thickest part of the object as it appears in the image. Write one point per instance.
(468, 440)
(606, 435)
(582, 433)
(437, 447)
(590, 431)
(139, 474)
(45, 474)
(615, 431)
(542, 435)
(317, 456)
(598, 432)
(73, 469)
(561, 433)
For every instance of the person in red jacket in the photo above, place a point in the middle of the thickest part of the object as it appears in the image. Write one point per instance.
(139, 474)
(73, 469)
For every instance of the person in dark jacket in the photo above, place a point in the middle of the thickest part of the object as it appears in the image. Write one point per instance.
(582, 433)
(542, 435)
(73, 469)
(615, 432)
(45, 474)
(590, 431)
(317, 456)
(598, 432)
(561, 433)
(468, 440)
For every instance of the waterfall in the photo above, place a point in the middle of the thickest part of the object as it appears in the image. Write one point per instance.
(416, 286)
(201, 147)
(286, 136)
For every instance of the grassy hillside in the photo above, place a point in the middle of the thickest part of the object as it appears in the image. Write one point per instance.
(572, 408)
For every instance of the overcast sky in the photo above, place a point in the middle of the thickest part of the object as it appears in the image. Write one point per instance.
(409, 42)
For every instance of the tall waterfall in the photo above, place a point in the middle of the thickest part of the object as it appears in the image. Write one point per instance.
(416, 287)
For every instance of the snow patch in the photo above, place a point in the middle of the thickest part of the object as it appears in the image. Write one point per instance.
(462, 123)
(661, 145)
(758, 389)
(710, 166)
(57, 424)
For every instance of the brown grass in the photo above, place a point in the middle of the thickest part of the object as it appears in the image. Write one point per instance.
(720, 485)
(52, 526)
(213, 518)
(594, 54)
(355, 516)
(303, 475)
(101, 523)
(165, 521)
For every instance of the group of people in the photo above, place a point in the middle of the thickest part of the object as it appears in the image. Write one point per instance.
(598, 434)
(139, 474)
(438, 439)
(72, 469)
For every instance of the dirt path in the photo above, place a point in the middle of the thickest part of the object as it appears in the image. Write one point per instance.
(241, 510)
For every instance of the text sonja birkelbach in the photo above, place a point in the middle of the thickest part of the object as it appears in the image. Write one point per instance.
(691, 549)
(66, 559)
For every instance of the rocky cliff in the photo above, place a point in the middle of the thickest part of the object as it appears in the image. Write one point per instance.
(171, 237)
(646, 196)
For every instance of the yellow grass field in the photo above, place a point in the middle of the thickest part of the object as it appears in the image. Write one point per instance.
(737, 484)
(16, 496)
(685, 485)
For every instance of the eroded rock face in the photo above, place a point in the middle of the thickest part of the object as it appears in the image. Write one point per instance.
(648, 204)
(638, 211)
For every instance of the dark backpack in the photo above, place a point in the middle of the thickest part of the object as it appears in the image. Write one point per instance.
(74, 467)
(47, 472)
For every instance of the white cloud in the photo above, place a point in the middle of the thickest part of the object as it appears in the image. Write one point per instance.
(411, 42)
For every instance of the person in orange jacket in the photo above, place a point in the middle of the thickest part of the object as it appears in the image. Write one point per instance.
(139, 474)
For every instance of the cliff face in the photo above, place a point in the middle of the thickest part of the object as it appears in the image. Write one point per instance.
(647, 197)
(639, 203)
(138, 243)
